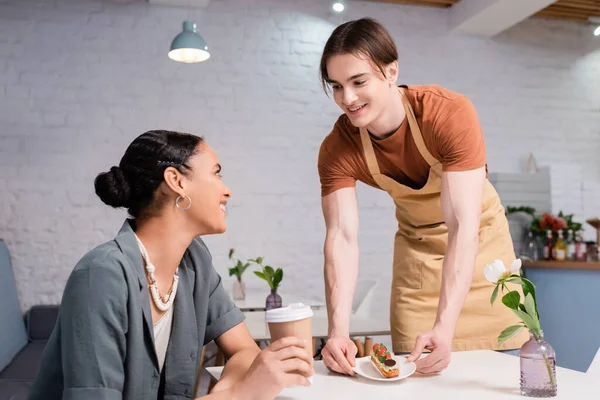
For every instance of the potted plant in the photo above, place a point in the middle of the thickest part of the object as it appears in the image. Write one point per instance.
(537, 357)
(238, 269)
(273, 277)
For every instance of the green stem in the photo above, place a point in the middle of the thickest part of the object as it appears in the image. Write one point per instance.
(547, 361)
(549, 368)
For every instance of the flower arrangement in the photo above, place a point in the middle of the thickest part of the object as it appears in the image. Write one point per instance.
(526, 311)
(272, 276)
(542, 222)
(238, 268)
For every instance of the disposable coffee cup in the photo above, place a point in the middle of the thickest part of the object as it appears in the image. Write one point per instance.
(293, 320)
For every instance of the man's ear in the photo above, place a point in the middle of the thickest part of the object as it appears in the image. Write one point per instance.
(391, 72)
(173, 180)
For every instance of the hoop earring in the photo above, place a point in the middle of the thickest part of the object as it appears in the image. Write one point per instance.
(188, 199)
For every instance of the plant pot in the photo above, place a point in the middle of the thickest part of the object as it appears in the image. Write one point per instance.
(273, 300)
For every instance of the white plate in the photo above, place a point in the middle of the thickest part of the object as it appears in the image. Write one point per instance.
(364, 367)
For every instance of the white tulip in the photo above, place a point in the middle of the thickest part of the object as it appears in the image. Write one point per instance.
(515, 266)
(494, 271)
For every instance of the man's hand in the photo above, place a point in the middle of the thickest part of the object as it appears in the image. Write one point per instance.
(439, 342)
(339, 354)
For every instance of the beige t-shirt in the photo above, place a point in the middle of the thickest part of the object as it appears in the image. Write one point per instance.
(450, 129)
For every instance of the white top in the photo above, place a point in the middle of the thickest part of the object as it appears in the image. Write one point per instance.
(472, 375)
(162, 334)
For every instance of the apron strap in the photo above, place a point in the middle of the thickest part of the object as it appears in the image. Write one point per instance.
(416, 131)
(369, 152)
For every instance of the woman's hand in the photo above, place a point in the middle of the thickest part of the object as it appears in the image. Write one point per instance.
(284, 363)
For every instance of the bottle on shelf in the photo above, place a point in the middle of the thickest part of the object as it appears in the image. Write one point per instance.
(548, 247)
(531, 248)
(580, 248)
(560, 248)
(571, 253)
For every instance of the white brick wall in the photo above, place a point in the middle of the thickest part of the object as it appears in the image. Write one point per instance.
(79, 79)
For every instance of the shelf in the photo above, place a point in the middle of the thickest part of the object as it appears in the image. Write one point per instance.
(594, 265)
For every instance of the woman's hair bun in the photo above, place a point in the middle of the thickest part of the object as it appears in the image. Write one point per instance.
(112, 188)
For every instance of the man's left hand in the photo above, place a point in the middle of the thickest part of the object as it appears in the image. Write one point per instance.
(439, 342)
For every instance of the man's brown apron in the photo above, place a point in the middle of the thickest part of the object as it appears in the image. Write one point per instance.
(419, 249)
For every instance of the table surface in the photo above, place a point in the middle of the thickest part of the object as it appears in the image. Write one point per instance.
(256, 302)
(359, 327)
(472, 375)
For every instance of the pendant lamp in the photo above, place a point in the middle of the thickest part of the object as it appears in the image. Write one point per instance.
(189, 47)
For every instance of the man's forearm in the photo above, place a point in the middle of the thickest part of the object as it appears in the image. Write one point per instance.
(341, 272)
(236, 368)
(457, 275)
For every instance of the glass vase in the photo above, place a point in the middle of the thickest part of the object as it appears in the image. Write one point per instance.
(538, 367)
(239, 290)
(273, 300)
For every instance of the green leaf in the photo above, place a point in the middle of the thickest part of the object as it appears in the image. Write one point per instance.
(512, 300)
(261, 275)
(532, 323)
(269, 271)
(231, 251)
(513, 280)
(508, 333)
(244, 268)
(277, 277)
(528, 287)
(239, 264)
(530, 306)
(494, 295)
(232, 271)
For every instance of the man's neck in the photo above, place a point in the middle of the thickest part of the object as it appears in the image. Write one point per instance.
(390, 118)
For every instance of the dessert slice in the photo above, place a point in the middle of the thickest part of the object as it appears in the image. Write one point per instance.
(383, 361)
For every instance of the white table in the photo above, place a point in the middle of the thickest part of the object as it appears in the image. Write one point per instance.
(359, 327)
(256, 302)
(472, 375)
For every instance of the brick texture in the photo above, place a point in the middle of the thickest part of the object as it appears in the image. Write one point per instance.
(79, 79)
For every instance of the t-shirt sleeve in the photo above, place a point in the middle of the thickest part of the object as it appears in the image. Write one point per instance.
(459, 137)
(222, 312)
(332, 172)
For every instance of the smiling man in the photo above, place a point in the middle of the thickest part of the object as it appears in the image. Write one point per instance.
(424, 146)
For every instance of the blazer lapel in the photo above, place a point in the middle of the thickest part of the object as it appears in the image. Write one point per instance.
(128, 244)
(182, 354)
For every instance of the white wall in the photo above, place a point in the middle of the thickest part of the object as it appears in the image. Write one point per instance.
(79, 79)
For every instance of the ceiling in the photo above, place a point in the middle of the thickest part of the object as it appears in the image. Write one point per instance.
(578, 10)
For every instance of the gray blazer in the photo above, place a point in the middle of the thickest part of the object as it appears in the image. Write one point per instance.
(102, 346)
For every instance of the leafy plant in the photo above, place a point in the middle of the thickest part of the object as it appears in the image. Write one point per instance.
(527, 311)
(528, 210)
(272, 276)
(238, 268)
(542, 222)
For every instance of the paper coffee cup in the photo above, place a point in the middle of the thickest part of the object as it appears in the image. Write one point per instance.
(293, 320)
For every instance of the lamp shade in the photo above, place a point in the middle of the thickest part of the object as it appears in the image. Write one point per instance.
(189, 46)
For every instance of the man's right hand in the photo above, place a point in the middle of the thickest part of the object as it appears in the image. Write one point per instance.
(339, 354)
